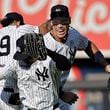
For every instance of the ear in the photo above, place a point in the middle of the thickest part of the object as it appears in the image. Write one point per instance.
(18, 23)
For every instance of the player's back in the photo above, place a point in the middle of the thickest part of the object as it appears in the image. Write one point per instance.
(7, 48)
(8, 37)
(7, 45)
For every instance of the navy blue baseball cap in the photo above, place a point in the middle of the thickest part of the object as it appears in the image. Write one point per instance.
(9, 17)
(59, 11)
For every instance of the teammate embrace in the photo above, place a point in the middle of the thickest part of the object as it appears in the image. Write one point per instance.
(40, 61)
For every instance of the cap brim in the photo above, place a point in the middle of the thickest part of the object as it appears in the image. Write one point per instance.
(20, 56)
(61, 18)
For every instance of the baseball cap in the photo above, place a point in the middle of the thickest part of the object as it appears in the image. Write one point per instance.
(20, 54)
(9, 17)
(59, 12)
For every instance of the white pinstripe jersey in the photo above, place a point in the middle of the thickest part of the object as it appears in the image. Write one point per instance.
(75, 41)
(8, 37)
(36, 87)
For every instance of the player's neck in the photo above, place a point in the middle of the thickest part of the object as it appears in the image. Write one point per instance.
(15, 23)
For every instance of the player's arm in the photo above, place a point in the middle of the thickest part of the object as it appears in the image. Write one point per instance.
(38, 51)
(45, 27)
(61, 61)
(97, 56)
(9, 68)
(68, 97)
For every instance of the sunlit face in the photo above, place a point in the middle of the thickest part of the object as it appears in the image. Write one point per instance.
(60, 29)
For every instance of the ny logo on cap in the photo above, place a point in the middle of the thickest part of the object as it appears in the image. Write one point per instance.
(58, 9)
(18, 49)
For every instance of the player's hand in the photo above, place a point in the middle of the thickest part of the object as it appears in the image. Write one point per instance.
(107, 68)
(69, 97)
(45, 27)
(14, 99)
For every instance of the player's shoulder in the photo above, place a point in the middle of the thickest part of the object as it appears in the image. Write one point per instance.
(27, 28)
(75, 34)
(9, 30)
(51, 43)
(73, 31)
(48, 36)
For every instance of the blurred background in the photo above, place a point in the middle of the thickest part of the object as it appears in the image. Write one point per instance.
(92, 19)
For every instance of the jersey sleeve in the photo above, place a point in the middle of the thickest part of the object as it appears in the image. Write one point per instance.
(7, 69)
(36, 29)
(27, 29)
(77, 40)
(50, 42)
(56, 46)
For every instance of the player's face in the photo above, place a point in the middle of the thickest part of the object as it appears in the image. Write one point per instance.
(60, 29)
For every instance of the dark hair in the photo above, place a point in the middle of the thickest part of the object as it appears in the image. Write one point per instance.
(10, 17)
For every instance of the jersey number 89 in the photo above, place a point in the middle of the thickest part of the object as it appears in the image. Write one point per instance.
(5, 46)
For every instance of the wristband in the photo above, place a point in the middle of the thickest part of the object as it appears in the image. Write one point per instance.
(99, 58)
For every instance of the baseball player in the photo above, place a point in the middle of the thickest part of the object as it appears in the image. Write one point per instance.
(37, 73)
(7, 50)
(62, 32)
(13, 28)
